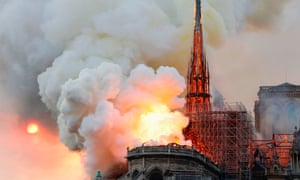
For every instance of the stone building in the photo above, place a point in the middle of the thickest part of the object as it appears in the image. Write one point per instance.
(169, 162)
(277, 159)
(278, 109)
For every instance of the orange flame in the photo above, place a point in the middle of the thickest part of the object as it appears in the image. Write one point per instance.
(160, 126)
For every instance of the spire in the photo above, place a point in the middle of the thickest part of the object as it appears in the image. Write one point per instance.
(198, 15)
(198, 93)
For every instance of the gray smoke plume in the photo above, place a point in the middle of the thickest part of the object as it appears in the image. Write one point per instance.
(79, 61)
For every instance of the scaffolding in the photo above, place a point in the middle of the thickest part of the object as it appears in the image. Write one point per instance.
(225, 137)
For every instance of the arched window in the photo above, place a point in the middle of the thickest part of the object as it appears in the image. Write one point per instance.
(156, 174)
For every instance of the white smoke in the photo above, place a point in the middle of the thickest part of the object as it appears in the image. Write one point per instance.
(81, 58)
(103, 106)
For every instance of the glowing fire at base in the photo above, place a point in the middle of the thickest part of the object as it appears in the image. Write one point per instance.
(32, 128)
(161, 126)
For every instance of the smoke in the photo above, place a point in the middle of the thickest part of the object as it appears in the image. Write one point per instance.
(24, 54)
(105, 85)
(79, 61)
(262, 18)
(103, 106)
(264, 55)
(279, 114)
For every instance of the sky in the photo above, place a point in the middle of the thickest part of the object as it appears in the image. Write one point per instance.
(66, 63)
(39, 156)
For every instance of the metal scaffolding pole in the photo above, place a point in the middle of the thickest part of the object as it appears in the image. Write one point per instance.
(225, 137)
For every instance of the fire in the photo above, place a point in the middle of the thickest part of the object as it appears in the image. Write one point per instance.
(161, 126)
(32, 128)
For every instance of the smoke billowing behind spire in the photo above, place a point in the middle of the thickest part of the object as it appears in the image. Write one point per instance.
(80, 59)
